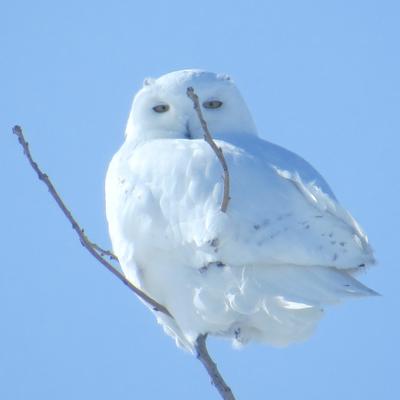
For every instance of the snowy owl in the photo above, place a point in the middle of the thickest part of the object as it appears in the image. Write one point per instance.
(263, 270)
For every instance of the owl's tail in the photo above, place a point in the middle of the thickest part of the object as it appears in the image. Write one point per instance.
(278, 305)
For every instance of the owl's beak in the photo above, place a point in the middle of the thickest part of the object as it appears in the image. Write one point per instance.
(188, 134)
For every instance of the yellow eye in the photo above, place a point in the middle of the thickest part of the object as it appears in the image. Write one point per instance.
(212, 104)
(161, 108)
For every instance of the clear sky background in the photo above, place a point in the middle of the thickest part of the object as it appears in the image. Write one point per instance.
(321, 78)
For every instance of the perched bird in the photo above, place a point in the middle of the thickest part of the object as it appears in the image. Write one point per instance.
(263, 270)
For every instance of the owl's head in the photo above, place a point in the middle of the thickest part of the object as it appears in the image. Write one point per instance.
(162, 109)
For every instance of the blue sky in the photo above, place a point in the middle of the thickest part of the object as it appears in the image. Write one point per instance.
(321, 78)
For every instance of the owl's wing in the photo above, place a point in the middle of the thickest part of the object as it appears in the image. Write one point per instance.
(169, 192)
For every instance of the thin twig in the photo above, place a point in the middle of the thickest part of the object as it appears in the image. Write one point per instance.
(217, 150)
(94, 250)
(216, 378)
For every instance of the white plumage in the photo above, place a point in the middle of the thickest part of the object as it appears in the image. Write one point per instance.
(262, 271)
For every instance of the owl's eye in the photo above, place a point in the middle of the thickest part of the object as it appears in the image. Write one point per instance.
(161, 108)
(212, 104)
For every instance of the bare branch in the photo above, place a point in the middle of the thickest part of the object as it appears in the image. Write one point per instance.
(100, 254)
(216, 378)
(94, 250)
(217, 150)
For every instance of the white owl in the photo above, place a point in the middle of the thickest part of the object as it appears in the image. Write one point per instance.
(262, 271)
